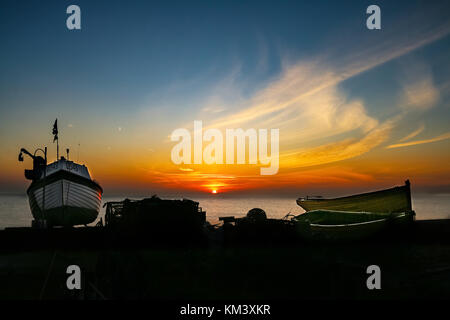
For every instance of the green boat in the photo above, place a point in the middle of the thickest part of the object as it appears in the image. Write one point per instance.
(345, 225)
(397, 199)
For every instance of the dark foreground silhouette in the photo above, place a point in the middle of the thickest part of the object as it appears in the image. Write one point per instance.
(225, 263)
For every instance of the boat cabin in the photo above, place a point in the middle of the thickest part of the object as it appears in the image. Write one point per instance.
(69, 166)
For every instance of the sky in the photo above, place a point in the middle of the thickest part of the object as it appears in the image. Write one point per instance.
(356, 109)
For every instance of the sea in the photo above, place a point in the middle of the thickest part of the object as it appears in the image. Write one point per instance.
(15, 211)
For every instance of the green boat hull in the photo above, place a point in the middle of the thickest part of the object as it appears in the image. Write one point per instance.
(330, 225)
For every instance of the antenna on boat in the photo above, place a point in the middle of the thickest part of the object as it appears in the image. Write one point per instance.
(78, 152)
(67, 151)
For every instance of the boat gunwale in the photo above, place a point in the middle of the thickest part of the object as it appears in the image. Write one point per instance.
(65, 175)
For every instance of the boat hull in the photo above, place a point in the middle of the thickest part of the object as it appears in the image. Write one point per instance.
(327, 225)
(68, 199)
(397, 199)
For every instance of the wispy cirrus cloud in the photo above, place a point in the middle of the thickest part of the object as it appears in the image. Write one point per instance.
(303, 79)
(319, 122)
(421, 95)
(309, 107)
(413, 134)
(419, 91)
(341, 150)
(441, 137)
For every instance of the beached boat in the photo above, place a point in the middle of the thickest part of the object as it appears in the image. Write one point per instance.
(61, 193)
(345, 225)
(397, 199)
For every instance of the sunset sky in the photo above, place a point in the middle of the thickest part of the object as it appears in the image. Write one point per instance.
(357, 109)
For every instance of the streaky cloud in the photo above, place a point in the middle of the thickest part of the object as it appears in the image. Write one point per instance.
(341, 150)
(414, 133)
(444, 136)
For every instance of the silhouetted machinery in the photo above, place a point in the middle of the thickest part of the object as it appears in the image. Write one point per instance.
(156, 219)
(256, 228)
(39, 164)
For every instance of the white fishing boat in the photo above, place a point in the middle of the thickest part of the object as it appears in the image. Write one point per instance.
(61, 193)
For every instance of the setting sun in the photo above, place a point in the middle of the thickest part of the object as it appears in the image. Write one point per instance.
(214, 191)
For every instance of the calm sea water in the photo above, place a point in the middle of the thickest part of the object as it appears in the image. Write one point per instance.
(15, 211)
